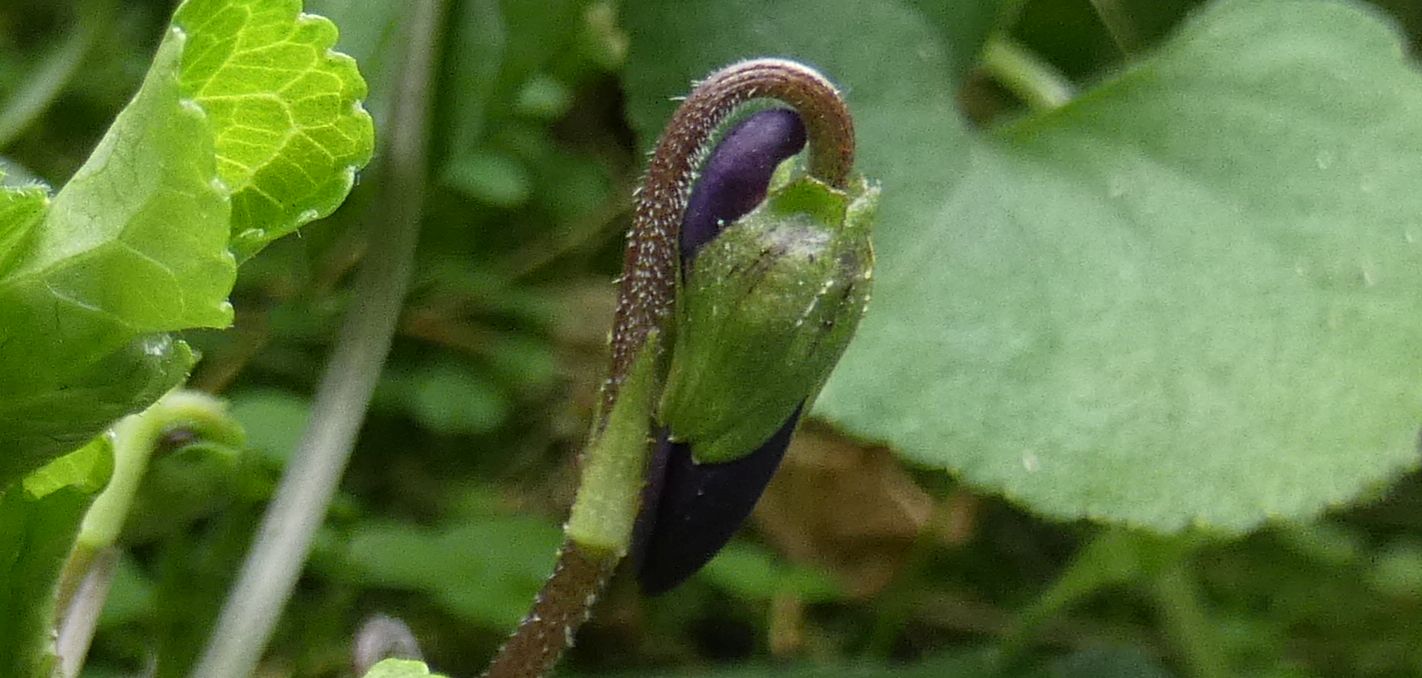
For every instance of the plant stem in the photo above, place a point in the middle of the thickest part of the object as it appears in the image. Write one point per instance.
(1187, 624)
(81, 616)
(599, 529)
(1030, 79)
(54, 72)
(84, 583)
(135, 440)
(343, 395)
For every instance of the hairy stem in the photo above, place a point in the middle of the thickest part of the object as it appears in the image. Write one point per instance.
(646, 295)
(271, 569)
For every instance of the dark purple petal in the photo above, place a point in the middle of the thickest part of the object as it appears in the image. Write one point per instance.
(696, 508)
(735, 176)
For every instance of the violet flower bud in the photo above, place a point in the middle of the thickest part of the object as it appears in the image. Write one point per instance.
(772, 291)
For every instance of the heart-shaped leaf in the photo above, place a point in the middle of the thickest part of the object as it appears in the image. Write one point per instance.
(1191, 296)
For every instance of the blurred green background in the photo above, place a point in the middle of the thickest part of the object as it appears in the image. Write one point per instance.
(448, 517)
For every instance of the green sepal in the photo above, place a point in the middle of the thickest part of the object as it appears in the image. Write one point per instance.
(768, 308)
(613, 467)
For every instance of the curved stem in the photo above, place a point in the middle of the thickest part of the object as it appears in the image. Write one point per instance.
(614, 462)
(271, 569)
(648, 285)
(136, 438)
(84, 583)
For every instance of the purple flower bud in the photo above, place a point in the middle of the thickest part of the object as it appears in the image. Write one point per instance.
(734, 178)
(690, 510)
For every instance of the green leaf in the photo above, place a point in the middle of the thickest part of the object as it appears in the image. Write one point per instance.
(284, 109)
(21, 207)
(50, 421)
(142, 207)
(754, 573)
(446, 398)
(484, 572)
(38, 521)
(85, 470)
(134, 244)
(245, 127)
(1186, 298)
(401, 668)
(273, 420)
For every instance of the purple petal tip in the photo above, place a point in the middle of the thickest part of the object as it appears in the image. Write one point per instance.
(735, 177)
